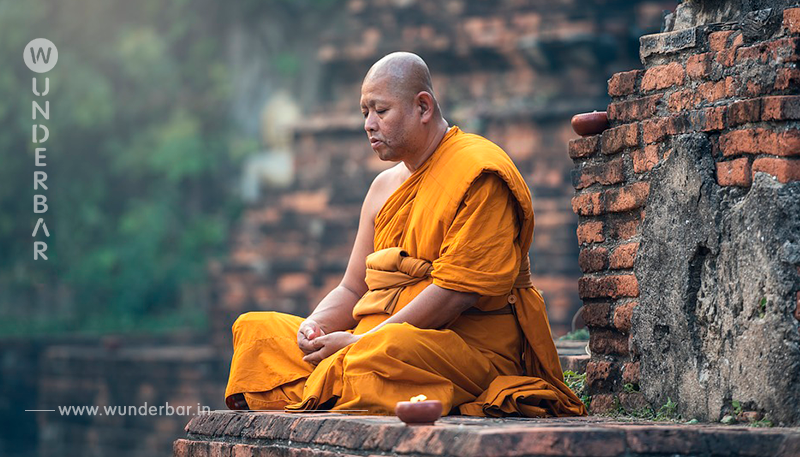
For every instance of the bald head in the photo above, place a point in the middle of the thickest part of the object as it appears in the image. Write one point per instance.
(406, 73)
(401, 116)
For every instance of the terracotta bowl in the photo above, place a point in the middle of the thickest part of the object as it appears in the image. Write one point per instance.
(419, 413)
(587, 124)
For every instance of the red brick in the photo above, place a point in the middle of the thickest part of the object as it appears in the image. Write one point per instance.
(608, 342)
(682, 100)
(717, 41)
(580, 148)
(734, 172)
(786, 170)
(645, 159)
(598, 372)
(759, 52)
(622, 316)
(616, 139)
(655, 130)
(603, 403)
(727, 57)
(714, 118)
(604, 173)
(744, 111)
(731, 86)
(421, 441)
(791, 20)
(780, 107)
(760, 141)
(588, 204)
(785, 50)
(614, 286)
(787, 78)
(698, 66)
(244, 450)
(219, 449)
(623, 83)
(753, 89)
(623, 256)
(626, 198)
(593, 259)
(197, 449)
(180, 448)
(590, 232)
(623, 229)
(742, 141)
(663, 76)
(611, 201)
(597, 314)
(630, 373)
(713, 91)
(633, 110)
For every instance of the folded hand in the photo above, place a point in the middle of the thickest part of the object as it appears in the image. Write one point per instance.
(308, 330)
(326, 345)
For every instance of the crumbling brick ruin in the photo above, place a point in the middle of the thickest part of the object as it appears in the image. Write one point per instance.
(689, 212)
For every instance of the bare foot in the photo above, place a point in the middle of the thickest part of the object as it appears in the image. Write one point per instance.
(237, 402)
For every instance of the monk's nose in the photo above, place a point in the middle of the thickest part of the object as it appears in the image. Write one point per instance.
(370, 125)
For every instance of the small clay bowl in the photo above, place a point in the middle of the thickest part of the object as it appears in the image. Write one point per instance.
(420, 412)
(587, 124)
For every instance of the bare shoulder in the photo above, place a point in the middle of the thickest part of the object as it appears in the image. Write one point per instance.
(383, 186)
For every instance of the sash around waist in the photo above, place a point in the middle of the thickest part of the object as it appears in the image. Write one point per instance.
(390, 270)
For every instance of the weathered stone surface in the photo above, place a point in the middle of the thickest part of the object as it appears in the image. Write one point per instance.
(695, 12)
(716, 301)
(463, 436)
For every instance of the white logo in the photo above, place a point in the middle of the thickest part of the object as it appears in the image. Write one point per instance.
(40, 55)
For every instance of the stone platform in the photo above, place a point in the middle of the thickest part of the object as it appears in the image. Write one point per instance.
(262, 434)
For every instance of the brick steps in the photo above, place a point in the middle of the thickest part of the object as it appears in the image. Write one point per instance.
(325, 434)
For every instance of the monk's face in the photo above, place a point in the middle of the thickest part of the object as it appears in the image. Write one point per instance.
(392, 124)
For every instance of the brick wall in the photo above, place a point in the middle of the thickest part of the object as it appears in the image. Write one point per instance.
(715, 106)
(142, 377)
(110, 371)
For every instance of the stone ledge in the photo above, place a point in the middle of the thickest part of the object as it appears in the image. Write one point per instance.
(329, 434)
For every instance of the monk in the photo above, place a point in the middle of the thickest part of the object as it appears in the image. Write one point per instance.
(437, 296)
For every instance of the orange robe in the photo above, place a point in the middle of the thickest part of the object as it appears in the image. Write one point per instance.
(463, 221)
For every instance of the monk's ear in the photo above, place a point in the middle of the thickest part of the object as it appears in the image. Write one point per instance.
(425, 105)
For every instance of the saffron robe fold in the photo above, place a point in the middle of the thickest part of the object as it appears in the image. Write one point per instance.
(463, 221)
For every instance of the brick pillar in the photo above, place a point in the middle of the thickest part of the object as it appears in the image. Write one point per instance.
(736, 90)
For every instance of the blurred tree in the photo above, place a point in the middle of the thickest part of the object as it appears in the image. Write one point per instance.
(140, 162)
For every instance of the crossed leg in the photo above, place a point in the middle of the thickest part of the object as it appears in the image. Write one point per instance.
(267, 369)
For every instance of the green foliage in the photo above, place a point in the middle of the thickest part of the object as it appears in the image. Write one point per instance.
(667, 411)
(630, 388)
(737, 407)
(762, 307)
(577, 383)
(582, 334)
(139, 162)
(762, 423)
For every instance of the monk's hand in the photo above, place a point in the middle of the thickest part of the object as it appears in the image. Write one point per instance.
(309, 329)
(326, 345)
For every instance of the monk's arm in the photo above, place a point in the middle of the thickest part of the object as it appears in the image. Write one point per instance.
(434, 307)
(335, 311)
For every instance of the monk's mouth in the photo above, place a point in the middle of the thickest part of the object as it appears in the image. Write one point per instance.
(375, 143)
